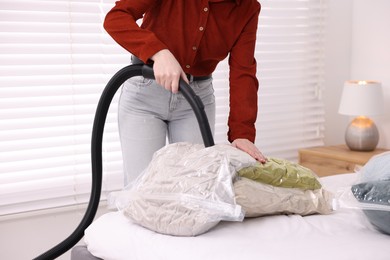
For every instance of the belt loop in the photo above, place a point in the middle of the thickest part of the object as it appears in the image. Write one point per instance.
(190, 78)
(135, 60)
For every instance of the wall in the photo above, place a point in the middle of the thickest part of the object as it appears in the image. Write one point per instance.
(371, 53)
(31, 234)
(357, 48)
(337, 67)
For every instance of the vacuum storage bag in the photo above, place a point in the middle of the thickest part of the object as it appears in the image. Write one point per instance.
(186, 190)
(281, 187)
(371, 193)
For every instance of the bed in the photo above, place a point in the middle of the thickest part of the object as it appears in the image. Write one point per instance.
(344, 234)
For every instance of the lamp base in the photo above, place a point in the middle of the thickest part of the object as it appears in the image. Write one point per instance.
(362, 134)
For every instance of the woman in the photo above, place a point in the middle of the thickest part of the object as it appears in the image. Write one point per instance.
(184, 39)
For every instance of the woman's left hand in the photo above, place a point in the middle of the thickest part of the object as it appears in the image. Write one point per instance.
(250, 148)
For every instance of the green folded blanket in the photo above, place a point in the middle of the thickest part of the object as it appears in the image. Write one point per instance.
(282, 173)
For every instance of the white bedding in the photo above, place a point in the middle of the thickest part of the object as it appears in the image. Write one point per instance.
(345, 234)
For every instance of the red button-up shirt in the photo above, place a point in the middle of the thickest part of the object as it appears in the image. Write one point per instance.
(200, 34)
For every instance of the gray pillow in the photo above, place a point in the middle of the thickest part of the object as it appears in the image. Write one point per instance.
(377, 168)
(375, 193)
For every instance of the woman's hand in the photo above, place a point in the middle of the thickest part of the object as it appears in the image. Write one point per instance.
(250, 148)
(167, 70)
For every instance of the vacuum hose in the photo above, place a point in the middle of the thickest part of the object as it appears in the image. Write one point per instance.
(96, 146)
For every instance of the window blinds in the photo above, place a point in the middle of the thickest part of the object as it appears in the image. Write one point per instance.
(55, 60)
(291, 68)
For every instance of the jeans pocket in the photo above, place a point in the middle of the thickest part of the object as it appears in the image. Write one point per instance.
(204, 90)
(140, 81)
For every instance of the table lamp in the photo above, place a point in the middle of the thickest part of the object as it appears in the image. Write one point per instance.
(362, 99)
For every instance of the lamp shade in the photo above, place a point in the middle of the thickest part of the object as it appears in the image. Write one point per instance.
(361, 98)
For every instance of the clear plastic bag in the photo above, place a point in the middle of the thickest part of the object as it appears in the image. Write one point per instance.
(365, 196)
(186, 189)
(371, 193)
(260, 199)
(280, 186)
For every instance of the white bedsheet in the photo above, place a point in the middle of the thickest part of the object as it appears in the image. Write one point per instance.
(345, 234)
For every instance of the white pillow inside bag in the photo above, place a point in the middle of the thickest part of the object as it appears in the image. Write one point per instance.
(186, 190)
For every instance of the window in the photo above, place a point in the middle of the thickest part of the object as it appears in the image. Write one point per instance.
(56, 58)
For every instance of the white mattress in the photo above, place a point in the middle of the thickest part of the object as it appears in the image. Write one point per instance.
(345, 234)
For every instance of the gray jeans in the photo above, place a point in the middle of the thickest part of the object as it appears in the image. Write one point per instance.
(148, 115)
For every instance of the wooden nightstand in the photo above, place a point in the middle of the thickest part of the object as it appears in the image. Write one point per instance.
(331, 160)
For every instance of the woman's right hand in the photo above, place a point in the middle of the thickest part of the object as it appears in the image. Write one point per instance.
(167, 70)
